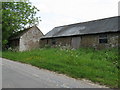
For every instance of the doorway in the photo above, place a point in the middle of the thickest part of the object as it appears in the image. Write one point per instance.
(75, 43)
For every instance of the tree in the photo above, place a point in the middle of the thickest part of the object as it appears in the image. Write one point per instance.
(15, 16)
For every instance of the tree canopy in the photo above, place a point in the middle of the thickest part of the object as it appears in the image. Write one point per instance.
(15, 16)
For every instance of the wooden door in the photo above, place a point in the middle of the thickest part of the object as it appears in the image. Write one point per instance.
(75, 43)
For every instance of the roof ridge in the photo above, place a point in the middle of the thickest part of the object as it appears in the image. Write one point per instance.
(88, 21)
(21, 32)
(96, 26)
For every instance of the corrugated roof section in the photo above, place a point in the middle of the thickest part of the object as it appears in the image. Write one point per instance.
(91, 27)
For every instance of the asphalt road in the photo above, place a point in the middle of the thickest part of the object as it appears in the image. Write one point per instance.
(18, 75)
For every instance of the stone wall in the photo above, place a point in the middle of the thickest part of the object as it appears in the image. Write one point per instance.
(30, 39)
(86, 41)
(63, 41)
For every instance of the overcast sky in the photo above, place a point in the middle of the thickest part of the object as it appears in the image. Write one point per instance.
(63, 12)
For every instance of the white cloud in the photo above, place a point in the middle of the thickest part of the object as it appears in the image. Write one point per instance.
(60, 12)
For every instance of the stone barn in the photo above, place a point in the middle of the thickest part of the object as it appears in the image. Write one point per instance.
(102, 33)
(26, 39)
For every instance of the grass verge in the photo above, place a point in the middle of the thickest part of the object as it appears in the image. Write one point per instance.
(98, 66)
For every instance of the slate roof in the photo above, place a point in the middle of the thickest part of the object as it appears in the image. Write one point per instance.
(91, 27)
(18, 34)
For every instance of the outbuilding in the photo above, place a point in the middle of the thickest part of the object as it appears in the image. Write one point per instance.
(26, 39)
(102, 33)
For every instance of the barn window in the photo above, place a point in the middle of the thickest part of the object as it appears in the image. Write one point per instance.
(103, 38)
(53, 41)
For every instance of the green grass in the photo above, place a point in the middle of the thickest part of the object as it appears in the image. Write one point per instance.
(98, 66)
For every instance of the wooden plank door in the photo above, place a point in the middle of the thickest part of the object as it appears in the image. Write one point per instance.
(75, 43)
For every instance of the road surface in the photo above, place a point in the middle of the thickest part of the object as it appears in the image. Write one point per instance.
(18, 75)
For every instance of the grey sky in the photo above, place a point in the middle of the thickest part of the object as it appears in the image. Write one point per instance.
(62, 12)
